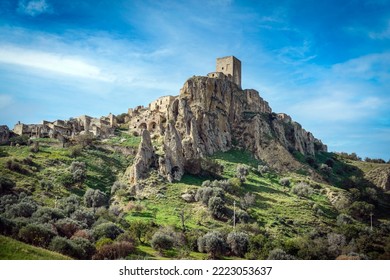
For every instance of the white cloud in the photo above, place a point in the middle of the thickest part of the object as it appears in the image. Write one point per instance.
(5, 101)
(52, 62)
(34, 7)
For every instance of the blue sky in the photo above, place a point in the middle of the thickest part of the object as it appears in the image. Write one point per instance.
(325, 63)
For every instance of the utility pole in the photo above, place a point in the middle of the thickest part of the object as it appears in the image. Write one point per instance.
(234, 215)
(371, 214)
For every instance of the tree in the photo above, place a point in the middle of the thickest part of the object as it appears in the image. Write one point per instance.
(302, 189)
(241, 172)
(140, 229)
(284, 182)
(212, 243)
(238, 243)
(95, 198)
(279, 254)
(36, 234)
(109, 230)
(217, 207)
(79, 171)
(161, 241)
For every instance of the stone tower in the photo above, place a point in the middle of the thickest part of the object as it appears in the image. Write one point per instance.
(231, 67)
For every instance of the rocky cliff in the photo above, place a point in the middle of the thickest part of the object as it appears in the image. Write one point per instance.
(213, 115)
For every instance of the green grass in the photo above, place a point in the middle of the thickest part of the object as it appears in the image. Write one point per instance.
(11, 249)
(124, 139)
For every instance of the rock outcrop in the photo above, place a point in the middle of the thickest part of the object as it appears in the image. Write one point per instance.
(144, 160)
(213, 115)
(4, 134)
(380, 177)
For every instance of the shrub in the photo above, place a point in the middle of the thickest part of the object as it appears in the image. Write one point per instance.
(6, 185)
(22, 209)
(238, 243)
(335, 243)
(204, 194)
(84, 216)
(217, 207)
(325, 169)
(67, 227)
(21, 140)
(85, 248)
(242, 216)
(284, 182)
(248, 200)
(302, 189)
(95, 198)
(360, 210)
(75, 151)
(35, 147)
(241, 172)
(69, 204)
(7, 226)
(114, 251)
(48, 214)
(79, 171)
(65, 179)
(36, 234)
(117, 186)
(109, 230)
(279, 254)
(6, 201)
(212, 243)
(329, 162)
(65, 247)
(161, 241)
(14, 165)
(263, 169)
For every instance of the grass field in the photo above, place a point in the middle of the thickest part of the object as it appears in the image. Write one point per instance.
(12, 249)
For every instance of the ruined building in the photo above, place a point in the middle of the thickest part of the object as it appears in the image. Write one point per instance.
(228, 67)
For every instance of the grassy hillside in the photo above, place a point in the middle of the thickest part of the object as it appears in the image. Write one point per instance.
(73, 200)
(12, 249)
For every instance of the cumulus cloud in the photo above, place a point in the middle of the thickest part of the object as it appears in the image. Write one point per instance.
(34, 7)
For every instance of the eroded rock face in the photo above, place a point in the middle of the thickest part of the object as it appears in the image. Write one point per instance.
(144, 160)
(380, 177)
(4, 134)
(212, 115)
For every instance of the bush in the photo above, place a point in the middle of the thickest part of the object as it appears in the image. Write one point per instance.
(109, 230)
(14, 165)
(114, 251)
(69, 204)
(217, 207)
(6, 201)
(67, 227)
(85, 248)
(302, 190)
(117, 186)
(95, 198)
(65, 246)
(35, 147)
(284, 182)
(75, 151)
(36, 234)
(22, 209)
(325, 169)
(241, 172)
(48, 214)
(279, 254)
(248, 200)
(242, 216)
(79, 171)
(7, 226)
(21, 140)
(65, 179)
(238, 243)
(263, 169)
(84, 216)
(161, 241)
(6, 185)
(204, 194)
(335, 243)
(360, 210)
(212, 243)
